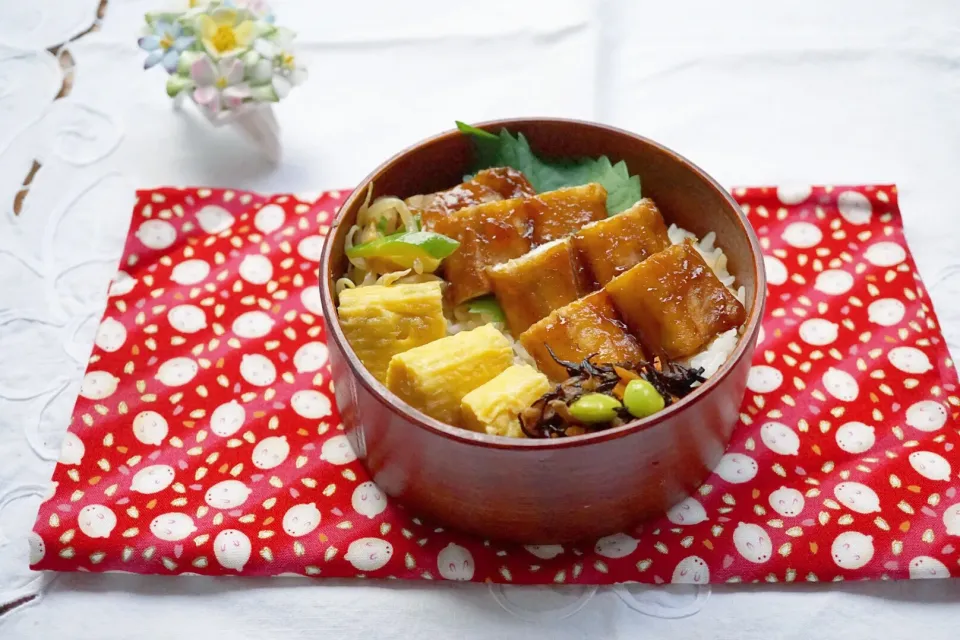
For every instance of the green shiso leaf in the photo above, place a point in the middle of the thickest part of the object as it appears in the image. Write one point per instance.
(508, 150)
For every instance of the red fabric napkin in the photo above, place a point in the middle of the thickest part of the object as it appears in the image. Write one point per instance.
(206, 439)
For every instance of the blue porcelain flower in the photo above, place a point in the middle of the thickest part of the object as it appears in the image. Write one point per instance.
(165, 44)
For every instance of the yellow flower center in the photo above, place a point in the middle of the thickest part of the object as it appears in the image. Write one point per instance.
(224, 38)
(287, 60)
(221, 83)
(166, 41)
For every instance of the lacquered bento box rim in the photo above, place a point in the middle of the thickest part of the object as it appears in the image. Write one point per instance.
(421, 420)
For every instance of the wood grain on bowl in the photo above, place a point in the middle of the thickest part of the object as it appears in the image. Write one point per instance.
(548, 490)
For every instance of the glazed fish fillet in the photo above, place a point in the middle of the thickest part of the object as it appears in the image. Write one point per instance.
(558, 214)
(586, 327)
(610, 246)
(674, 302)
(488, 185)
(488, 234)
(495, 232)
(528, 288)
(506, 181)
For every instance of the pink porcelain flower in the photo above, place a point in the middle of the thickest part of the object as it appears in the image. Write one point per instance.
(219, 85)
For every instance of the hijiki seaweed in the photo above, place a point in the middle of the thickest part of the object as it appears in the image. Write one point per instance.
(549, 417)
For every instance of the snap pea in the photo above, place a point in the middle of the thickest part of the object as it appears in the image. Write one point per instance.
(488, 306)
(595, 407)
(400, 250)
(641, 399)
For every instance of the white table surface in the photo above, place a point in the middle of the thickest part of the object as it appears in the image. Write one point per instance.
(755, 92)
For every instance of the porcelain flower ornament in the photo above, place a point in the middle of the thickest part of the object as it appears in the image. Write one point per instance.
(219, 84)
(225, 32)
(165, 43)
(259, 8)
(279, 52)
(225, 55)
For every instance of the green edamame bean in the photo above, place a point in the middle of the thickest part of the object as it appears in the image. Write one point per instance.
(641, 399)
(595, 407)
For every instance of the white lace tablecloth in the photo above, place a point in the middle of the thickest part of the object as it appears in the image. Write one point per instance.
(756, 93)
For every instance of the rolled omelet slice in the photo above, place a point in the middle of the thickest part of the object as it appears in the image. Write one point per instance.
(435, 377)
(494, 407)
(380, 322)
